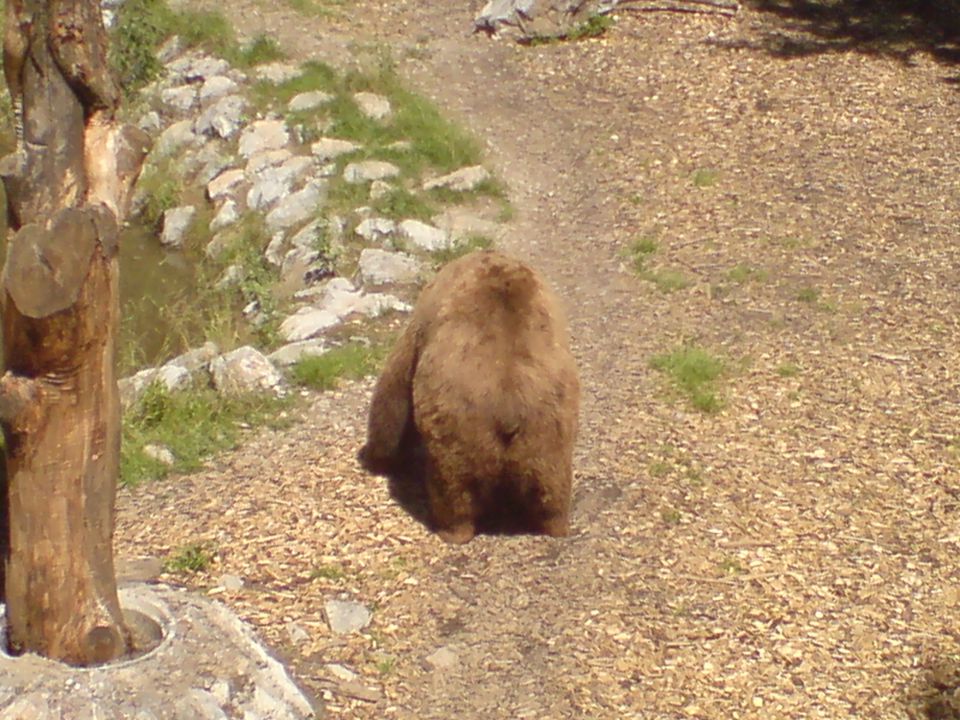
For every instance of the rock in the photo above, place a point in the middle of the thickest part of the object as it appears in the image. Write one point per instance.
(138, 569)
(196, 360)
(326, 149)
(376, 230)
(297, 634)
(161, 453)
(210, 161)
(196, 67)
(359, 691)
(208, 664)
(539, 17)
(175, 138)
(308, 237)
(216, 87)
(340, 672)
(170, 49)
(367, 170)
(220, 242)
(226, 216)
(292, 353)
(346, 616)
(442, 659)
(150, 122)
(176, 222)
(461, 224)
(181, 98)
(295, 263)
(341, 299)
(296, 207)
(267, 159)
(380, 189)
(308, 100)
(232, 583)
(375, 107)
(277, 72)
(223, 118)
(274, 251)
(273, 183)
(380, 266)
(263, 135)
(424, 236)
(306, 323)
(231, 275)
(222, 185)
(245, 370)
(462, 180)
(172, 378)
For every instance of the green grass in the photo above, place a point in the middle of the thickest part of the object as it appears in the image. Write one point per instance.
(593, 27)
(706, 177)
(666, 280)
(670, 516)
(262, 49)
(659, 469)
(194, 424)
(639, 252)
(464, 247)
(190, 558)
(351, 361)
(786, 370)
(808, 295)
(694, 372)
(401, 204)
(161, 187)
(318, 8)
(328, 572)
(742, 274)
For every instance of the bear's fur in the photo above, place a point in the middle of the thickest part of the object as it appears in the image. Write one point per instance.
(483, 379)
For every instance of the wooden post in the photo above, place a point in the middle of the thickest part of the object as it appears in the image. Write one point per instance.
(68, 186)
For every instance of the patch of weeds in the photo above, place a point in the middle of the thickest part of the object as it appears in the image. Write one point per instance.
(731, 566)
(342, 197)
(328, 572)
(788, 370)
(464, 247)
(808, 295)
(742, 274)
(706, 177)
(694, 372)
(193, 558)
(262, 49)
(351, 361)
(659, 469)
(193, 424)
(161, 190)
(507, 211)
(386, 664)
(141, 26)
(670, 516)
(317, 8)
(640, 250)
(593, 27)
(401, 204)
(487, 188)
(314, 75)
(666, 280)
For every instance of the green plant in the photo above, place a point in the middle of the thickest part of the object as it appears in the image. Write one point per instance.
(190, 558)
(317, 8)
(639, 250)
(402, 204)
(386, 664)
(141, 26)
(694, 372)
(731, 566)
(461, 248)
(706, 177)
(659, 469)
(193, 424)
(353, 361)
(808, 295)
(743, 273)
(666, 280)
(262, 49)
(161, 191)
(788, 369)
(670, 516)
(594, 26)
(328, 572)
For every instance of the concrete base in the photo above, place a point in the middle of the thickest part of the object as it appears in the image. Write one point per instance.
(207, 665)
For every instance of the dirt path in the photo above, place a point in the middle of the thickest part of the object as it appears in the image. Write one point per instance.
(794, 555)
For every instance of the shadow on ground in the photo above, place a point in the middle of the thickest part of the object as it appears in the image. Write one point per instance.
(937, 694)
(897, 28)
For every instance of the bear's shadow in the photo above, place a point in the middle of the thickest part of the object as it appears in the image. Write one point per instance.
(504, 513)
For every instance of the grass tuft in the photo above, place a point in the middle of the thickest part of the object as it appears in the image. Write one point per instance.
(464, 247)
(706, 177)
(190, 558)
(694, 372)
(352, 361)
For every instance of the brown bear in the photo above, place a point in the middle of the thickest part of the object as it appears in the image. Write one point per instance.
(483, 380)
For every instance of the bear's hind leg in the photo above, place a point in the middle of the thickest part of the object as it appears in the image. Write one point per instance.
(451, 506)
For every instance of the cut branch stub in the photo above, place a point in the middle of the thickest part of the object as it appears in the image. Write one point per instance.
(46, 268)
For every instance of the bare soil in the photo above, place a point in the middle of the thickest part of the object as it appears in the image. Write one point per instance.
(791, 556)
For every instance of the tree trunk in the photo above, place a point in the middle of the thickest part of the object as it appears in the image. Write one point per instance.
(68, 185)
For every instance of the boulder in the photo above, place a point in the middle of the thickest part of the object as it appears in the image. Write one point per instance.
(368, 170)
(380, 266)
(176, 222)
(245, 370)
(263, 135)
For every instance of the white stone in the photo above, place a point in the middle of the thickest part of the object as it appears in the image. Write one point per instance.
(376, 229)
(442, 659)
(292, 353)
(380, 189)
(196, 359)
(424, 236)
(224, 183)
(373, 106)
(346, 616)
(244, 370)
(341, 673)
(161, 453)
(273, 183)
(216, 87)
(181, 98)
(263, 135)
(308, 100)
(296, 208)
(233, 583)
(274, 251)
(326, 149)
(267, 159)
(150, 122)
(223, 118)
(232, 275)
(307, 323)
(368, 170)
(277, 72)
(462, 180)
(227, 215)
(176, 222)
(380, 266)
(176, 137)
